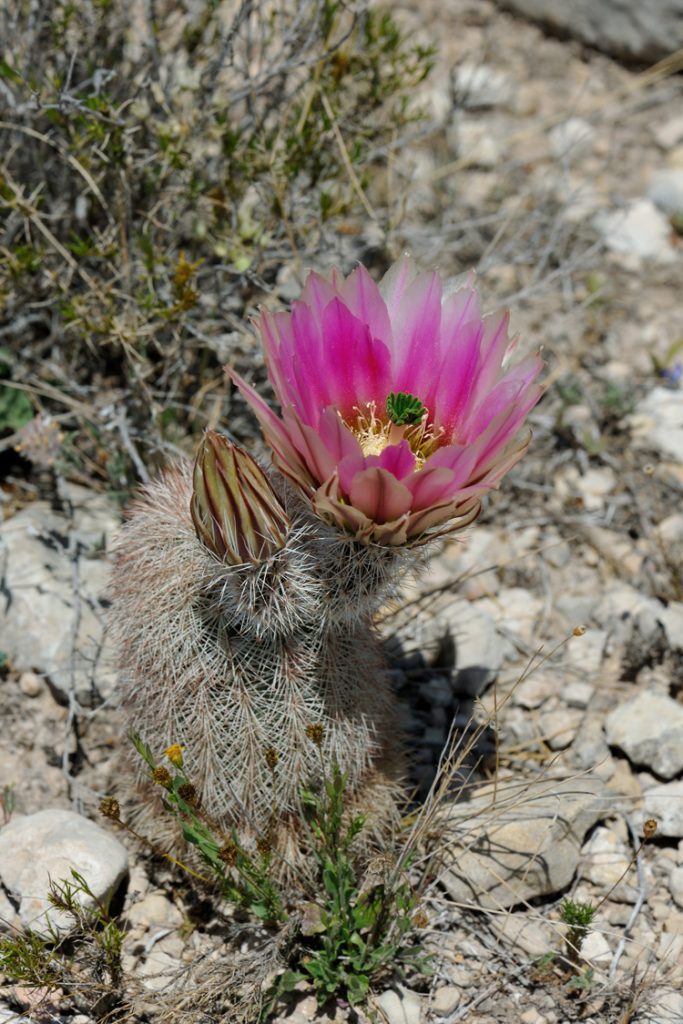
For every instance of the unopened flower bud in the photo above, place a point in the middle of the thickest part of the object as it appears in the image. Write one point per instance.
(235, 511)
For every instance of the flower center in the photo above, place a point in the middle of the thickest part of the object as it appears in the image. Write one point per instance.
(405, 419)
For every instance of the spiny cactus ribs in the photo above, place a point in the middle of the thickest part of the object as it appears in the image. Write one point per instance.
(243, 621)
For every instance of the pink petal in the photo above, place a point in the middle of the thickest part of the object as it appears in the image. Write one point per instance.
(276, 435)
(394, 283)
(319, 460)
(317, 294)
(450, 400)
(416, 321)
(397, 459)
(514, 390)
(494, 345)
(379, 495)
(336, 436)
(348, 469)
(431, 487)
(357, 367)
(363, 298)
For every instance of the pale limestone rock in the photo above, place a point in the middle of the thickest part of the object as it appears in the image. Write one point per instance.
(526, 845)
(649, 730)
(36, 848)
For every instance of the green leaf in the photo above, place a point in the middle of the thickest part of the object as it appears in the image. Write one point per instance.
(289, 980)
(143, 750)
(16, 409)
(357, 986)
(8, 72)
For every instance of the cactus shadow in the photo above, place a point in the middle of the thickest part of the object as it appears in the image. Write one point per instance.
(436, 703)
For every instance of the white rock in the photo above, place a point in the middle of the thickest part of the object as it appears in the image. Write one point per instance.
(536, 689)
(525, 846)
(649, 730)
(400, 1005)
(606, 860)
(446, 1000)
(159, 970)
(559, 727)
(31, 685)
(479, 649)
(39, 847)
(662, 1008)
(666, 191)
(595, 948)
(676, 885)
(574, 136)
(665, 804)
(670, 530)
(533, 936)
(586, 652)
(516, 610)
(154, 909)
(532, 1016)
(639, 230)
(594, 486)
(670, 133)
(671, 618)
(480, 85)
(658, 423)
(577, 694)
(475, 143)
(622, 608)
(54, 584)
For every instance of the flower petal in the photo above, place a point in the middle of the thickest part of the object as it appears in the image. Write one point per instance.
(378, 494)
(416, 320)
(276, 435)
(357, 367)
(364, 299)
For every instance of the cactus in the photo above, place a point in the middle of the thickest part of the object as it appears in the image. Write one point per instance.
(242, 621)
(244, 599)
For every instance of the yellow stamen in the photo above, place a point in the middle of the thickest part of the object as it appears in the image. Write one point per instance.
(375, 434)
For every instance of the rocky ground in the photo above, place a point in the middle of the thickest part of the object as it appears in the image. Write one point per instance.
(557, 621)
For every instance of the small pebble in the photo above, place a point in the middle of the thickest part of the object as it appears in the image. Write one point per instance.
(30, 684)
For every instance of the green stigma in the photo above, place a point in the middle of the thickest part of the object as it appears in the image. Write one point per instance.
(404, 409)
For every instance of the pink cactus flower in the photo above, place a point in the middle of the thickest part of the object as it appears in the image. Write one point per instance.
(399, 406)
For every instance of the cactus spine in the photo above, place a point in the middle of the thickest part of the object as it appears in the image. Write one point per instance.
(242, 621)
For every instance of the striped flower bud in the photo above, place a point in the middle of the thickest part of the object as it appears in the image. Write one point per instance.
(235, 511)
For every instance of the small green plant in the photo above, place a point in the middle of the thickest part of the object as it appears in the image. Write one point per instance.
(16, 408)
(245, 878)
(8, 799)
(579, 917)
(355, 929)
(354, 918)
(86, 962)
